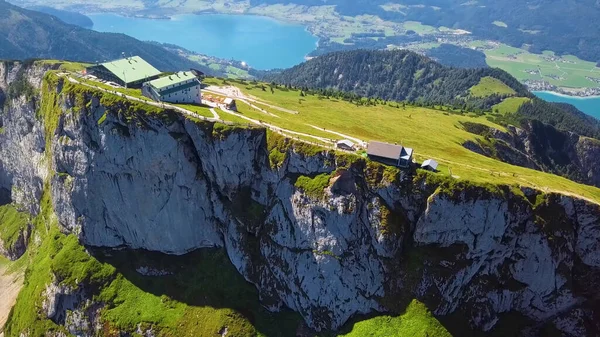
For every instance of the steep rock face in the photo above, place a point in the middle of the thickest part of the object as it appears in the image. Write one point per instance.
(123, 177)
(496, 256)
(541, 147)
(127, 190)
(175, 186)
(22, 170)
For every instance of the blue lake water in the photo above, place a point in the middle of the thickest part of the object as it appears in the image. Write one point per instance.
(261, 42)
(590, 106)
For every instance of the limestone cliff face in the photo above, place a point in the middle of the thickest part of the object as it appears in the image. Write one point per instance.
(123, 177)
(507, 256)
(22, 136)
(541, 147)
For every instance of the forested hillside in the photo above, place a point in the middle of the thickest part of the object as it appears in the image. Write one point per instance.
(29, 34)
(562, 116)
(405, 76)
(397, 75)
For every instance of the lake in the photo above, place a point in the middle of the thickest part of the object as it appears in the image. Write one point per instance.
(261, 42)
(590, 106)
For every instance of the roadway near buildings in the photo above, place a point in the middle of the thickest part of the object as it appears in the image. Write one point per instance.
(320, 141)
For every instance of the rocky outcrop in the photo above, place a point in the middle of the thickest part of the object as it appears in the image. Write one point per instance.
(14, 250)
(540, 147)
(330, 236)
(22, 170)
(507, 256)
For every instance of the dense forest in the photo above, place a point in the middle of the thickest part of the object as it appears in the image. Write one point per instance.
(566, 27)
(398, 75)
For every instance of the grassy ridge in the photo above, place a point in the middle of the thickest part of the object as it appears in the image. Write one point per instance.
(432, 133)
(490, 86)
(510, 105)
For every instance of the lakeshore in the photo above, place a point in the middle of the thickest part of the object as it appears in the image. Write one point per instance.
(588, 105)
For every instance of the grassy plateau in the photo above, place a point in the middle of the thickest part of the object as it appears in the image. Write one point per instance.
(432, 133)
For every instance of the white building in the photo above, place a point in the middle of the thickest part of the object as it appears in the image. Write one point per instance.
(182, 87)
(230, 104)
(345, 145)
(430, 165)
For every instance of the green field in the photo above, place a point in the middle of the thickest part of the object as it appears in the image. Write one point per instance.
(432, 133)
(510, 105)
(562, 71)
(488, 86)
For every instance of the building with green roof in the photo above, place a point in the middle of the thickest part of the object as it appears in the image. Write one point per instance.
(182, 87)
(130, 72)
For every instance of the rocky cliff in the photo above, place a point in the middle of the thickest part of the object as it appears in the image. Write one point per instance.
(541, 147)
(328, 236)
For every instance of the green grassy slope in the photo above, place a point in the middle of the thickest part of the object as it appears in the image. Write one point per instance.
(12, 222)
(488, 86)
(416, 321)
(432, 133)
(510, 105)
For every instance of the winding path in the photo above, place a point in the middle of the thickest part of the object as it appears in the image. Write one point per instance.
(288, 133)
(239, 95)
(354, 139)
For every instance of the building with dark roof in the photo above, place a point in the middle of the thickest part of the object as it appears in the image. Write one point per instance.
(390, 154)
(130, 72)
(182, 87)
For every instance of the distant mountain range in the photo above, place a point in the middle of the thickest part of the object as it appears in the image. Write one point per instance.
(29, 34)
(69, 17)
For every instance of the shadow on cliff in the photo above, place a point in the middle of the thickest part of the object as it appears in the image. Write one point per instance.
(203, 278)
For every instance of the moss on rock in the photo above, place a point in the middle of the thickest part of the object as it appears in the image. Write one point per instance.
(12, 225)
(313, 187)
